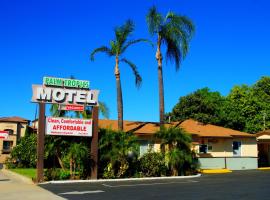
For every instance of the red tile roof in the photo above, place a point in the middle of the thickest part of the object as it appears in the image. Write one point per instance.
(265, 132)
(190, 126)
(14, 119)
(208, 130)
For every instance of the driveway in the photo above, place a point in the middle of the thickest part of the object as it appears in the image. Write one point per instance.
(14, 187)
(237, 185)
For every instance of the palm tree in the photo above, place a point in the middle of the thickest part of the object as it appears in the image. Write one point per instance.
(117, 48)
(87, 114)
(115, 147)
(175, 32)
(76, 153)
(55, 145)
(177, 144)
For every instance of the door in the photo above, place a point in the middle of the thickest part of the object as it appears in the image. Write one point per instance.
(236, 148)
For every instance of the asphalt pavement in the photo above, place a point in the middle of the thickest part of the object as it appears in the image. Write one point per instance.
(238, 185)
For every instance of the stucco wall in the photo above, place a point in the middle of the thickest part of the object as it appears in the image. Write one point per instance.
(232, 163)
(222, 147)
(13, 138)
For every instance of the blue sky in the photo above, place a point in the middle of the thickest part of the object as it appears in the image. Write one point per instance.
(54, 38)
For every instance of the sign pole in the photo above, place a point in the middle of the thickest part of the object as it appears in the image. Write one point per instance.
(94, 143)
(40, 143)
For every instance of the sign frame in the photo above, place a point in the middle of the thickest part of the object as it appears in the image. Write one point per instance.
(61, 126)
(82, 87)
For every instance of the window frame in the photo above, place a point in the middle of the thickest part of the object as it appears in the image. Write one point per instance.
(10, 146)
(10, 131)
(206, 148)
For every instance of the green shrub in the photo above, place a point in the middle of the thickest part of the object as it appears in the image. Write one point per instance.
(108, 172)
(11, 163)
(64, 175)
(24, 155)
(56, 174)
(152, 164)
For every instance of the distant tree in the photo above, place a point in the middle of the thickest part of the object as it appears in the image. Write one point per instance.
(175, 32)
(201, 105)
(247, 108)
(117, 48)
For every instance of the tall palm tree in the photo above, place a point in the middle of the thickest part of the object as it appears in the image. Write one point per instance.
(117, 48)
(175, 32)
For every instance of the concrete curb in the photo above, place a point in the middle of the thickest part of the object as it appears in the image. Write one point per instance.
(264, 168)
(120, 179)
(17, 176)
(215, 171)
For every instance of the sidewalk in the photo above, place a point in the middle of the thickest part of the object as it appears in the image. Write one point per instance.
(14, 187)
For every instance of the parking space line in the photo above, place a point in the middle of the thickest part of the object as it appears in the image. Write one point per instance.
(148, 184)
(82, 192)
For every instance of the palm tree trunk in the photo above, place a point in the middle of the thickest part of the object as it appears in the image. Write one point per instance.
(175, 171)
(70, 168)
(160, 82)
(119, 94)
(74, 169)
(59, 160)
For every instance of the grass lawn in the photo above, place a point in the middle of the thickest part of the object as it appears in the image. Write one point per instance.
(28, 172)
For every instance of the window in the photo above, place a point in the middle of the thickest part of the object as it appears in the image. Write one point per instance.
(144, 146)
(7, 146)
(236, 148)
(209, 147)
(203, 148)
(10, 131)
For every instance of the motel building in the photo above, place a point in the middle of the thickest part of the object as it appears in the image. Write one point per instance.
(216, 147)
(15, 126)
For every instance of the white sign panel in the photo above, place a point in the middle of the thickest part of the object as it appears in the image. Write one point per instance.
(68, 126)
(3, 134)
(64, 96)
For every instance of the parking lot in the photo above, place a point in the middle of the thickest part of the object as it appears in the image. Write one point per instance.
(246, 185)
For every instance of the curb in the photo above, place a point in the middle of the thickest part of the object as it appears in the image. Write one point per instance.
(120, 180)
(264, 168)
(17, 176)
(215, 171)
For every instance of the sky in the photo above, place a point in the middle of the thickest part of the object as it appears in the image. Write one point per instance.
(40, 38)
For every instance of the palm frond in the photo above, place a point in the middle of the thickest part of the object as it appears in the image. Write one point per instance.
(176, 33)
(154, 20)
(104, 109)
(173, 52)
(122, 33)
(182, 23)
(131, 42)
(102, 49)
(138, 78)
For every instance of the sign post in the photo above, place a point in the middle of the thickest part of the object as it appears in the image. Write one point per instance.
(40, 143)
(94, 143)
